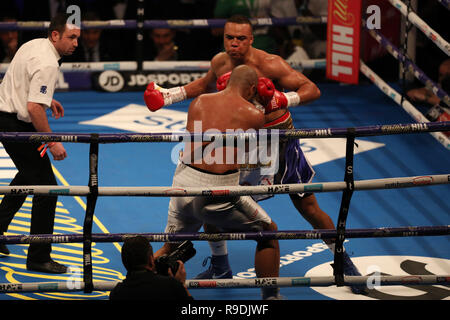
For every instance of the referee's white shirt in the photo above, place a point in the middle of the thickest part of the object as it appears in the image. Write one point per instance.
(31, 77)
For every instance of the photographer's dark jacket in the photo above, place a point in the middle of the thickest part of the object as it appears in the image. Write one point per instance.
(146, 285)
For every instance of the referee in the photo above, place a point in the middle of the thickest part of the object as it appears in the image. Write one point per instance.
(26, 93)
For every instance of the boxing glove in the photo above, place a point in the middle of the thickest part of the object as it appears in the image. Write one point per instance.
(272, 99)
(156, 97)
(222, 81)
(266, 90)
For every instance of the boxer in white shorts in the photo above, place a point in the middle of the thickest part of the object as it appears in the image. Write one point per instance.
(228, 109)
(234, 213)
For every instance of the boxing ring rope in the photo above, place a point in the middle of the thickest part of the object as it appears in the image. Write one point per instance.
(405, 104)
(92, 191)
(363, 131)
(170, 23)
(385, 232)
(421, 25)
(199, 66)
(168, 191)
(317, 281)
(418, 73)
(445, 3)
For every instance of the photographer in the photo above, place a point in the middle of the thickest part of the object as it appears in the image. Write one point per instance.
(142, 282)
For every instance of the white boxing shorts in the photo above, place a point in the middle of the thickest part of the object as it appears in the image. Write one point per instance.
(227, 213)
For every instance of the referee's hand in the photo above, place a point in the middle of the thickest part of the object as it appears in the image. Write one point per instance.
(58, 151)
(57, 109)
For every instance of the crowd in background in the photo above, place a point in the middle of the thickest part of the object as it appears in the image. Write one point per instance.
(186, 44)
(294, 43)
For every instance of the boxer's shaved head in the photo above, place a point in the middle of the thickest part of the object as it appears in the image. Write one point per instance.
(243, 75)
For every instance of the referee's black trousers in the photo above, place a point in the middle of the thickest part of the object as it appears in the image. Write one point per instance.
(33, 170)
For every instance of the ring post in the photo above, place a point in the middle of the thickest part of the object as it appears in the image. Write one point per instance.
(343, 211)
(140, 34)
(89, 217)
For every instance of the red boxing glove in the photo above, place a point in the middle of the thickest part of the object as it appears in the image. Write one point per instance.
(222, 81)
(272, 99)
(279, 101)
(153, 98)
(156, 97)
(266, 90)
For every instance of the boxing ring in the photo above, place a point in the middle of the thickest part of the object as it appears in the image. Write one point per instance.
(94, 189)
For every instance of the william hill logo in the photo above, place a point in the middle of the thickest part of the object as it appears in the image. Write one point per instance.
(343, 33)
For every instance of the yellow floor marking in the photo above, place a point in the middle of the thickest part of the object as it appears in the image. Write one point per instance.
(83, 205)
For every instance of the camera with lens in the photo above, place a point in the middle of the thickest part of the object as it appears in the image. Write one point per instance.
(184, 252)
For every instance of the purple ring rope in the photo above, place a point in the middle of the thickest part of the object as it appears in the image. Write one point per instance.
(177, 137)
(173, 24)
(266, 235)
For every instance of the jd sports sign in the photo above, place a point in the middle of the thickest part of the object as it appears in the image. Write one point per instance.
(114, 81)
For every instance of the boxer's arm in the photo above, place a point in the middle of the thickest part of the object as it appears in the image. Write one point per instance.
(200, 85)
(306, 89)
(156, 97)
(292, 80)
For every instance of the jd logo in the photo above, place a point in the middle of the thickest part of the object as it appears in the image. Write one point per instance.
(111, 81)
(390, 265)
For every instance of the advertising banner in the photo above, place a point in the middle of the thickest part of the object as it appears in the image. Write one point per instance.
(343, 40)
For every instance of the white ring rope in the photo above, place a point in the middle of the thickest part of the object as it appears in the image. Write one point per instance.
(318, 281)
(372, 184)
(159, 65)
(406, 105)
(421, 25)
